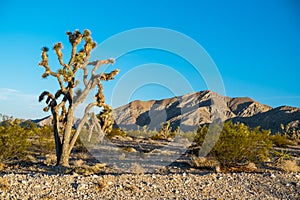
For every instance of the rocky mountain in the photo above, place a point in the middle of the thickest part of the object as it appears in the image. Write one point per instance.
(194, 109)
(48, 121)
(272, 119)
(44, 121)
(191, 110)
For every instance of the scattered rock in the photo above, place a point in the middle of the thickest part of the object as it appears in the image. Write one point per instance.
(272, 176)
(150, 186)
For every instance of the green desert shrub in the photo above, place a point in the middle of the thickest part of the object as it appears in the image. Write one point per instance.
(280, 140)
(141, 132)
(281, 155)
(43, 142)
(236, 144)
(15, 139)
(116, 132)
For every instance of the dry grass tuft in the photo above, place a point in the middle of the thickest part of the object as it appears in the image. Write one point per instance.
(83, 155)
(289, 165)
(137, 169)
(206, 163)
(78, 163)
(88, 170)
(4, 184)
(30, 158)
(101, 184)
(130, 149)
(131, 188)
(2, 166)
(50, 159)
(47, 198)
(251, 167)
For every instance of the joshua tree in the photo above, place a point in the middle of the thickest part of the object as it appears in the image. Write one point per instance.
(62, 109)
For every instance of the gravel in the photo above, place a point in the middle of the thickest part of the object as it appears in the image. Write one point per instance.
(206, 185)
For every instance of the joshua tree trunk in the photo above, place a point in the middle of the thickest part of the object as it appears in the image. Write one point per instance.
(63, 110)
(64, 159)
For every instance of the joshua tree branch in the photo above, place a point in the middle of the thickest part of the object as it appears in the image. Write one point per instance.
(98, 63)
(57, 48)
(82, 122)
(90, 85)
(85, 75)
(61, 84)
(85, 70)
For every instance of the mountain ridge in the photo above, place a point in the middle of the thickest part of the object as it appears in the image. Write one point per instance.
(194, 109)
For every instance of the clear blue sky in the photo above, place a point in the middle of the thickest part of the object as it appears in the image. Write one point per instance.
(254, 44)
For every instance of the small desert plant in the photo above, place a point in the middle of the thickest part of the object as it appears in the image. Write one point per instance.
(237, 144)
(189, 135)
(78, 162)
(288, 165)
(87, 169)
(281, 155)
(141, 132)
(205, 163)
(50, 159)
(99, 185)
(136, 168)
(280, 140)
(116, 132)
(164, 133)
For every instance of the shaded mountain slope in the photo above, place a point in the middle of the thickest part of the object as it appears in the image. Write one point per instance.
(187, 111)
(194, 109)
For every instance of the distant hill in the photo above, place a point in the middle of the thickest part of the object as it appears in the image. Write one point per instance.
(272, 119)
(44, 121)
(48, 121)
(191, 110)
(194, 109)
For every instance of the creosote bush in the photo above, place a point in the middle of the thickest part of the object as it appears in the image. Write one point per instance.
(44, 141)
(237, 144)
(280, 140)
(14, 139)
(116, 132)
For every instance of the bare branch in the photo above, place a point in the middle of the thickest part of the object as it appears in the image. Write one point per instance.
(90, 85)
(85, 75)
(61, 84)
(96, 125)
(98, 63)
(80, 125)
